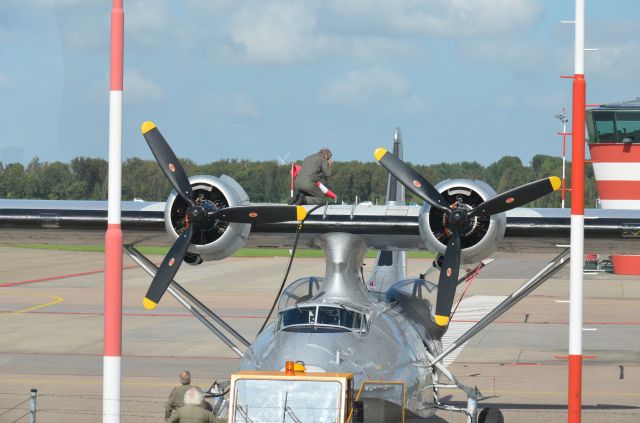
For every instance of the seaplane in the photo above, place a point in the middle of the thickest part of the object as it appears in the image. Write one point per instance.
(387, 329)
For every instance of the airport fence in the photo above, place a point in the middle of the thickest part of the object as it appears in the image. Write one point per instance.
(25, 410)
(56, 405)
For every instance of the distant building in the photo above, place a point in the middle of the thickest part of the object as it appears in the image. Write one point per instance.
(614, 144)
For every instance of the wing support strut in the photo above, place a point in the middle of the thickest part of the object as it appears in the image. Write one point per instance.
(542, 276)
(191, 303)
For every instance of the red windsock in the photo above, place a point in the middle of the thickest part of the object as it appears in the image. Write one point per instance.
(294, 170)
(326, 191)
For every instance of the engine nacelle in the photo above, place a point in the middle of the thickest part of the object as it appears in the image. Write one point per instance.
(480, 235)
(219, 239)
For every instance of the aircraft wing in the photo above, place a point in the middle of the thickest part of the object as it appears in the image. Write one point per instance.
(385, 227)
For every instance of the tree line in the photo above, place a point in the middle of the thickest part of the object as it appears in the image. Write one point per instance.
(85, 178)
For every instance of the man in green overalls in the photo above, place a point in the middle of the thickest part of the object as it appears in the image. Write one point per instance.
(176, 397)
(192, 411)
(315, 168)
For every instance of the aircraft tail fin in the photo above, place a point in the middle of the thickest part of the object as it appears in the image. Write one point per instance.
(391, 265)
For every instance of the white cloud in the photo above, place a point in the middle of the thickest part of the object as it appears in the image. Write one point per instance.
(438, 17)
(147, 21)
(240, 104)
(548, 102)
(279, 32)
(618, 54)
(375, 48)
(137, 88)
(619, 62)
(362, 87)
(522, 56)
(229, 105)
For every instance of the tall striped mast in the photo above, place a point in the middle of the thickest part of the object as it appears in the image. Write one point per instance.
(577, 222)
(113, 238)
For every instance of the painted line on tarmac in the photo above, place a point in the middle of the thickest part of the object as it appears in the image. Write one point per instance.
(593, 393)
(26, 310)
(255, 316)
(53, 278)
(69, 354)
(97, 381)
(530, 323)
(566, 357)
(93, 313)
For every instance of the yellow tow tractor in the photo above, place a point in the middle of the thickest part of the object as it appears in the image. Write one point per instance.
(292, 396)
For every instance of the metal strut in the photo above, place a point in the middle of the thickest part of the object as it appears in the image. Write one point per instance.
(549, 270)
(471, 411)
(191, 303)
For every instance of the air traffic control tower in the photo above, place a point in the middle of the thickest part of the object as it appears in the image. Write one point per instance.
(614, 144)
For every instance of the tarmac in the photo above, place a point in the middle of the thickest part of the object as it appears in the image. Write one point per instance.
(52, 327)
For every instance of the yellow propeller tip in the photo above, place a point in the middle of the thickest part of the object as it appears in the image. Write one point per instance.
(379, 153)
(148, 304)
(147, 126)
(556, 183)
(301, 212)
(442, 320)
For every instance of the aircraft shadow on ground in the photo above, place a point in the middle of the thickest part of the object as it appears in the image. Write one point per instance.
(521, 406)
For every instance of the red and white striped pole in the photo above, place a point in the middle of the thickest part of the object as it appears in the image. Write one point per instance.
(291, 177)
(563, 190)
(577, 223)
(113, 239)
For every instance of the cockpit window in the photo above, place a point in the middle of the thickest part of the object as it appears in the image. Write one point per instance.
(300, 291)
(323, 316)
(338, 317)
(299, 316)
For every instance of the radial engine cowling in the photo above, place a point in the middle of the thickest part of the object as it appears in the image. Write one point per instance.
(480, 234)
(217, 239)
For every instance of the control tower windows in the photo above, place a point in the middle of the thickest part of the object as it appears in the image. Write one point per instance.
(619, 126)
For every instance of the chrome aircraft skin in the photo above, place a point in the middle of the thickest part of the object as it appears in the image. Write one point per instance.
(384, 328)
(342, 323)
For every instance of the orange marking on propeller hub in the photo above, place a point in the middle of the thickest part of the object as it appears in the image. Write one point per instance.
(172, 168)
(509, 200)
(417, 184)
(253, 214)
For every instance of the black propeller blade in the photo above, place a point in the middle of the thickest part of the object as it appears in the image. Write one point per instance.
(168, 161)
(457, 217)
(410, 179)
(197, 214)
(448, 280)
(260, 214)
(168, 269)
(516, 197)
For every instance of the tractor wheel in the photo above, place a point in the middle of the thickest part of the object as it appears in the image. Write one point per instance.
(491, 415)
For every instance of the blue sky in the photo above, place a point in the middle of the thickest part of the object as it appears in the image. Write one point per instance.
(256, 79)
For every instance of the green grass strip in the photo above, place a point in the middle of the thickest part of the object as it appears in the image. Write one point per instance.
(243, 252)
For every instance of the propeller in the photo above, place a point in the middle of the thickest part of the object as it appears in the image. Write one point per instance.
(458, 216)
(198, 216)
